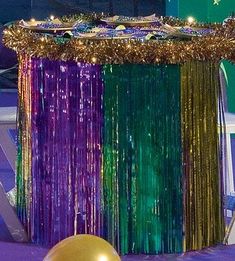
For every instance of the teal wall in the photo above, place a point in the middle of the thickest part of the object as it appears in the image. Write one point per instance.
(205, 10)
(172, 7)
(195, 8)
(219, 12)
(230, 71)
(202, 10)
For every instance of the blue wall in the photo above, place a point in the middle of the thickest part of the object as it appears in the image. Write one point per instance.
(18, 9)
(11, 10)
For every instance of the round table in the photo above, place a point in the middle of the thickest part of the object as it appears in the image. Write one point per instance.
(126, 151)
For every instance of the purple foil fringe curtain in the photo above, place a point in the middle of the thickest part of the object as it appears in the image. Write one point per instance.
(66, 159)
(66, 150)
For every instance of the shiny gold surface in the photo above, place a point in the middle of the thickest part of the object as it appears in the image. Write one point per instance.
(203, 212)
(215, 47)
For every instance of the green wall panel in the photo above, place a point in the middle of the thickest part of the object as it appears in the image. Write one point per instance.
(222, 10)
(172, 7)
(202, 10)
(230, 71)
(195, 8)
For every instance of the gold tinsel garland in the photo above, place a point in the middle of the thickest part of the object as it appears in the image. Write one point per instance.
(220, 45)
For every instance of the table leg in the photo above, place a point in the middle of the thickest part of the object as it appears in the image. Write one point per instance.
(7, 145)
(10, 218)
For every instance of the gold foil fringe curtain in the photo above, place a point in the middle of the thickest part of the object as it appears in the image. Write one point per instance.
(203, 191)
(23, 180)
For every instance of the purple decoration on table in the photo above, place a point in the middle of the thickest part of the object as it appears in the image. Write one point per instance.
(50, 25)
(66, 123)
(196, 32)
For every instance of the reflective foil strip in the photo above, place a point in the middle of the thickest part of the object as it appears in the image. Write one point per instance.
(142, 172)
(203, 185)
(23, 177)
(65, 133)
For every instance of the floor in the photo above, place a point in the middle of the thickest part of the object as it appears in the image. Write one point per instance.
(29, 252)
(26, 252)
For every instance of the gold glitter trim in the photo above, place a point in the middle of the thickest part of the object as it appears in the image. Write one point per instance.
(220, 45)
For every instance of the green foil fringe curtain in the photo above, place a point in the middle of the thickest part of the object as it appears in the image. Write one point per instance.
(142, 158)
(161, 181)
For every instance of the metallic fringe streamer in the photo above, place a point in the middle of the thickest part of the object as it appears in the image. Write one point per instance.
(142, 159)
(133, 195)
(65, 133)
(203, 186)
(23, 179)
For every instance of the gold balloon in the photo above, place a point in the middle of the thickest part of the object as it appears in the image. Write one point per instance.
(82, 248)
